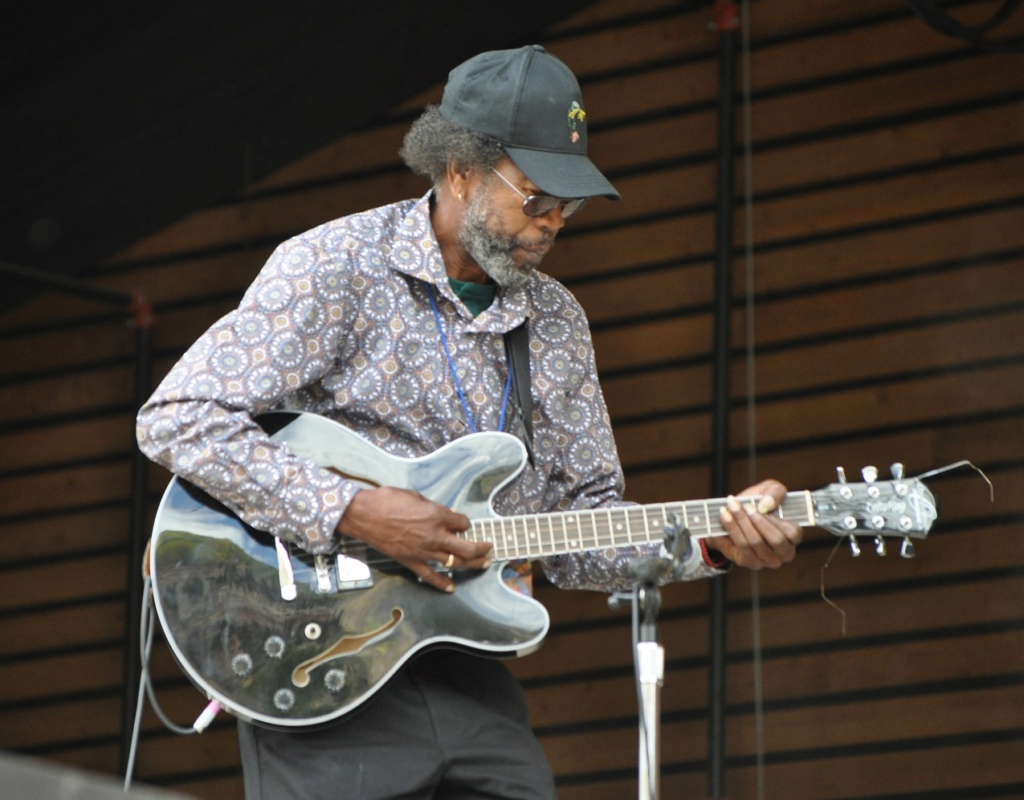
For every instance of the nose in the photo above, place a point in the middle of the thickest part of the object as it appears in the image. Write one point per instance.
(553, 221)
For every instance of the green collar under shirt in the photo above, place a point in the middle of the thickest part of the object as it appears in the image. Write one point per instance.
(477, 296)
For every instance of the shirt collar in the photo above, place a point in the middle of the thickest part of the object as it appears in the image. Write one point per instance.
(415, 233)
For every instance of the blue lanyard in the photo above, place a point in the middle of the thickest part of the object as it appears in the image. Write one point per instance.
(455, 374)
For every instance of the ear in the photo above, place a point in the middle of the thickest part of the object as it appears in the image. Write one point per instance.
(458, 181)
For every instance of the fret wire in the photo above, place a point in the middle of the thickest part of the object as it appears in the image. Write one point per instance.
(496, 539)
(636, 521)
(696, 519)
(480, 526)
(510, 550)
(533, 528)
(517, 540)
(588, 527)
(674, 509)
(712, 520)
(492, 537)
(659, 523)
(487, 526)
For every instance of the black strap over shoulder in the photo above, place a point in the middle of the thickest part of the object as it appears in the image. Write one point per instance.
(518, 342)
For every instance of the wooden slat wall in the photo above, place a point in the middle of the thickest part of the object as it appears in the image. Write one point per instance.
(888, 224)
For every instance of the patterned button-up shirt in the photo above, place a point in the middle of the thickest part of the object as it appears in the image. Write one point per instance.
(340, 323)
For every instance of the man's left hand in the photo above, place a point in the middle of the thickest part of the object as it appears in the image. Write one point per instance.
(757, 537)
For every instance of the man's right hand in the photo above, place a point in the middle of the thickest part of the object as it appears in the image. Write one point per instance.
(416, 532)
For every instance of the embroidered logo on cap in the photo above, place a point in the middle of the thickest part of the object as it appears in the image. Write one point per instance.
(576, 116)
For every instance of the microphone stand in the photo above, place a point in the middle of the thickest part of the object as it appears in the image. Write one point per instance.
(648, 654)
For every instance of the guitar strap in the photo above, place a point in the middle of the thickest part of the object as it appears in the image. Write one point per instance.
(518, 343)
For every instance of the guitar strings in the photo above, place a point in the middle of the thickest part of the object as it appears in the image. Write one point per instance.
(528, 541)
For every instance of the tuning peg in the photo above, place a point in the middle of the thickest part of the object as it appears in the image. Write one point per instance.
(841, 474)
(854, 546)
(897, 471)
(907, 548)
(880, 545)
(870, 474)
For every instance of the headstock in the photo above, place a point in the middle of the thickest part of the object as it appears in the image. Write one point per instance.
(901, 507)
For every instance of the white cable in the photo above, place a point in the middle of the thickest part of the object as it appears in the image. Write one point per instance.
(136, 730)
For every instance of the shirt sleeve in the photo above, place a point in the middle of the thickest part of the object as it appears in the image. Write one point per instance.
(200, 422)
(591, 476)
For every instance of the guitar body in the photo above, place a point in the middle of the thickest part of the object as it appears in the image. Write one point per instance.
(307, 661)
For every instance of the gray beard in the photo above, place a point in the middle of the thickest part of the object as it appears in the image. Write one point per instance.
(492, 252)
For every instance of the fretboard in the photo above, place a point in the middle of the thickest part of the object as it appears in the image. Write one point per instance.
(538, 535)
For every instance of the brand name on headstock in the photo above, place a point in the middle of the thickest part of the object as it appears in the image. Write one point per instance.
(886, 507)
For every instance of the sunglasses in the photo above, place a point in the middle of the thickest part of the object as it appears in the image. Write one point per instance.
(537, 205)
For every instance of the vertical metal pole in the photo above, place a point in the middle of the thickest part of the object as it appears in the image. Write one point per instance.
(727, 16)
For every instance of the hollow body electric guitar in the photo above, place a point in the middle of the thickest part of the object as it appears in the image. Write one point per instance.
(287, 640)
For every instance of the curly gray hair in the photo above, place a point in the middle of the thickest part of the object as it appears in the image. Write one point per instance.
(433, 142)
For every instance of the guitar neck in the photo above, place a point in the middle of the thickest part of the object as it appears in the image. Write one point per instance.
(532, 536)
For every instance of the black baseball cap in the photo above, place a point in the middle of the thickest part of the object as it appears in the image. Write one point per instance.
(530, 102)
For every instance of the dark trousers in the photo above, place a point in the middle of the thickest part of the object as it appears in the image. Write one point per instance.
(450, 726)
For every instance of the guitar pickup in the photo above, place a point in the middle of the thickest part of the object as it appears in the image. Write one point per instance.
(352, 573)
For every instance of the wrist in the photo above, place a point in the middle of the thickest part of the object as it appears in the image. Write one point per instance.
(713, 558)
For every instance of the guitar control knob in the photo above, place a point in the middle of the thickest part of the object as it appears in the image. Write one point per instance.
(870, 474)
(274, 646)
(241, 665)
(854, 546)
(334, 680)
(284, 699)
